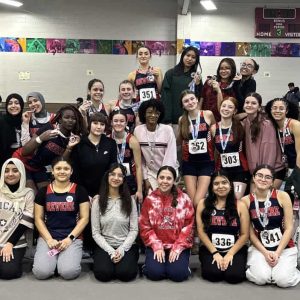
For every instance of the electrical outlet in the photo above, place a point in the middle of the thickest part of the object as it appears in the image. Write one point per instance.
(24, 75)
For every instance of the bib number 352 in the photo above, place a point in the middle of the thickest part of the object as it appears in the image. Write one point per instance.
(197, 146)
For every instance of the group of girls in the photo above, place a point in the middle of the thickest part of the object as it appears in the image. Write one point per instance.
(118, 150)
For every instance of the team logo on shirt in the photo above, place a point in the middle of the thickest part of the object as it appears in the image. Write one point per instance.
(69, 198)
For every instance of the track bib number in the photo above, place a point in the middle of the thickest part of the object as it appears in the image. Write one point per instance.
(147, 94)
(197, 146)
(271, 238)
(230, 160)
(222, 241)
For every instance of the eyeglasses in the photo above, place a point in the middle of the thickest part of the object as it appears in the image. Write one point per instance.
(262, 176)
(282, 108)
(118, 175)
(248, 66)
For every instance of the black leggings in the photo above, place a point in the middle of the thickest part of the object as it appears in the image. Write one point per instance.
(12, 269)
(125, 270)
(235, 273)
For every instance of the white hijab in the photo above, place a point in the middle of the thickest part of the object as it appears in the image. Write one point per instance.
(22, 190)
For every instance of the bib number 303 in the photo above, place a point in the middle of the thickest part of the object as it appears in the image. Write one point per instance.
(230, 160)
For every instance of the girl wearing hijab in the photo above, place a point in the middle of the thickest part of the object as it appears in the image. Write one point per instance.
(36, 117)
(10, 127)
(16, 216)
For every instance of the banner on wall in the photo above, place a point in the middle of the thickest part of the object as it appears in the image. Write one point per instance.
(128, 47)
(36, 45)
(11, 44)
(72, 46)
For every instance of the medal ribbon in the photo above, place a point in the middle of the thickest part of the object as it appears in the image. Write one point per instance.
(195, 127)
(263, 221)
(224, 143)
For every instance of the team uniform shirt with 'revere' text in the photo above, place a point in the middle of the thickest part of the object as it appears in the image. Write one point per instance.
(271, 235)
(165, 227)
(61, 209)
(223, 235)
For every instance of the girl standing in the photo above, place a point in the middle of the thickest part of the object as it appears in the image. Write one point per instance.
(157, 141)
(288, 134)
(146, 79)
(10, 127)
(197, 148)
(129, 154)
(185, 75)
(216, 89)
(94, 102)
(228, 139)
(126, 103)
(260, 139)
(51, 141)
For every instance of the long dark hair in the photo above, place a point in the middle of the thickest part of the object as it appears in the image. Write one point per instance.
(174, 191)
(291, 108)
(125, 197)
(209, 203)
(232, 65)
(255, 125)
(179, 68)
(79, 127)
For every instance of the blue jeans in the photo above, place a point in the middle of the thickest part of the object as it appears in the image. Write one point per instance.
(176, 271)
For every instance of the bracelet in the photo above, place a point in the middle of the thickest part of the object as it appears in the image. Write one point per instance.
(38, 140)
(215, 253)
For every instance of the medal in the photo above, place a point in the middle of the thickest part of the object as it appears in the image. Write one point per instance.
(265, 234)
(214, 212)
(150, 77)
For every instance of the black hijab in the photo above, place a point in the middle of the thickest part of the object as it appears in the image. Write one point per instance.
(8, 126)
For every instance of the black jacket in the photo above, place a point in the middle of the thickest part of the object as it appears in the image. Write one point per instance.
(90, 162)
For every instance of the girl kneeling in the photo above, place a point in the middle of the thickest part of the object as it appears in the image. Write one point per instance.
(223, 228)
(166, 228)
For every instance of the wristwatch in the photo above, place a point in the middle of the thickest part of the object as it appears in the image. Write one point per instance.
(72, 237)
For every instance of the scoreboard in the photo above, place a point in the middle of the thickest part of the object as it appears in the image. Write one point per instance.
(277, 22)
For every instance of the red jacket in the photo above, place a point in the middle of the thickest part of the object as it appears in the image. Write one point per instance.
(165, 227)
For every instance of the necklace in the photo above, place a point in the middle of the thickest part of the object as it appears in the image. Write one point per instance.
(195, 127)
(121, 154)
(263, 216)
(224, 143)
(282, 140)
(152, 143)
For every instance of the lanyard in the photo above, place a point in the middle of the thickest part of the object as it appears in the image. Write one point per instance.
(121, 153)
(282, 140)
(264, 221)
(152, 143)
(224, 143)
(195, 127)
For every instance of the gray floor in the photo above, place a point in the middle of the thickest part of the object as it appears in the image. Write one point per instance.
(86, 287)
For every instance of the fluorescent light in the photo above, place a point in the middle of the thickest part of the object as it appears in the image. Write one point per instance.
(208, 4)
(12, 2)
